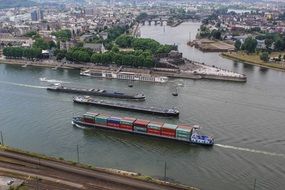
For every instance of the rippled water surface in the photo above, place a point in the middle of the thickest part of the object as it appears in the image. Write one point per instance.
(247, 120)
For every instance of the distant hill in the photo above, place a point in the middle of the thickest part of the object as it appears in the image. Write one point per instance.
(16, 3)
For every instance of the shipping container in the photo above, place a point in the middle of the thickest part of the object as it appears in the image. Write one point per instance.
(113, 121)
(183, 135)
(127, 121)
(185, 129)
(90, 115)
(141, 123)
(168, 130)
(88, 120)
(101, 119)
(126, 127)
(140, 129)
(154, 131)
(155, 125)
(123, 126)
(167, 133)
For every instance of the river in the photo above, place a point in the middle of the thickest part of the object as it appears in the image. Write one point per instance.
(247, 120)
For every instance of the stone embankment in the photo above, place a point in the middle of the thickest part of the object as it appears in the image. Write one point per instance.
(189, 70)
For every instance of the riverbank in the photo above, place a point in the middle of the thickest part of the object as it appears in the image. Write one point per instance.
(253, 59)
(191, 70)
(78, 175)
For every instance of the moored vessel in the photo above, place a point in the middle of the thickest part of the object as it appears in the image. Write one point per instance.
(138, 108)
(95, 92)
(125, 76)
(182, 133)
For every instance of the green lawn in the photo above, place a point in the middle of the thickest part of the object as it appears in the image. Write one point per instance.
(254, 59)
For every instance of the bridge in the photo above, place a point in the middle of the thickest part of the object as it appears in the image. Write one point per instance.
(157, 20)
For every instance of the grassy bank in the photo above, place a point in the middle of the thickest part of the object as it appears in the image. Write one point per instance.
(254, 59)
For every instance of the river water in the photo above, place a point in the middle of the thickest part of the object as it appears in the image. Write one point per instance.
(247, 120)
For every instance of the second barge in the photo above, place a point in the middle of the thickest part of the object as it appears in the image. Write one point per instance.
(152, 110)
(95, 92)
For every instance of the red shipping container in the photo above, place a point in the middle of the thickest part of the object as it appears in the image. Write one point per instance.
(168, 134)
(123, 126)
(87, 120)
(155, 132)
(141, 123)
(113, 125)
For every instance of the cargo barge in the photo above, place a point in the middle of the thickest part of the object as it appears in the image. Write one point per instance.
(151, 110)
(182, 133)
(95, 92)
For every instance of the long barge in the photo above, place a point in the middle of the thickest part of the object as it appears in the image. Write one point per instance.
(95, 92)
(151, 110)
(182, 133)
(131, 76)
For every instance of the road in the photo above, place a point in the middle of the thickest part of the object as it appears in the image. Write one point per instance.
(70, 176)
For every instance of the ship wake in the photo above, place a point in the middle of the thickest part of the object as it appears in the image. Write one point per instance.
(22, 85)
(251, 150)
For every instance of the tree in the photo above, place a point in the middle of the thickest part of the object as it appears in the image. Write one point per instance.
(264, 56)
(30, 34)
(124, 41)
(41, 44)
(237, 45)
(63, 35)
(115, 49)
(249, 45)
(145, 44)
(279, 45)
(216, 34)
(96, 58)
(268, 43)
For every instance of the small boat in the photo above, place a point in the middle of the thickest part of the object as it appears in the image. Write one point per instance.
(175, 93)
(130, 85)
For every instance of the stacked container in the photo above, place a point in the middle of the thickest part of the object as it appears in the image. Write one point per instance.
(89, 117)
(126, 123)
(168, 130)
(141, 125)
(154, 128)
(114, 122)
(183, 132)
(101, 119)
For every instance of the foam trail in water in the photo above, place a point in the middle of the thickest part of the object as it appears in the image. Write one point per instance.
(23, 85)
(251, 150)
(52, 80)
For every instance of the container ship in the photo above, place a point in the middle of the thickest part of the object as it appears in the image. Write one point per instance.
(182, 133)
(125, 76)
(95, 92)
(151, 110)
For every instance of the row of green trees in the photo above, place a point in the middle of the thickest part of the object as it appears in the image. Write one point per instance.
(18, 52)
(138, 58)
(125, 41)
(134, 59)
